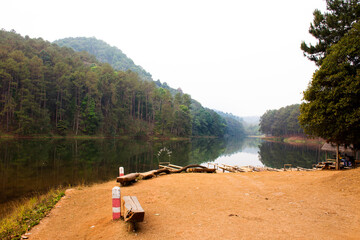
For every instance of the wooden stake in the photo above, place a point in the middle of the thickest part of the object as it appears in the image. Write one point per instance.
(337, 157)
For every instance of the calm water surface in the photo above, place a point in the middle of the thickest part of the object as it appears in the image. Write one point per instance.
(34, 166)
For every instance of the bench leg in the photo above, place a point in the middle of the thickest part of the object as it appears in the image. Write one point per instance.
(131, 227)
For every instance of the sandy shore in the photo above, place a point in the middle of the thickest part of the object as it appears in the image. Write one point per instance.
(263, 205)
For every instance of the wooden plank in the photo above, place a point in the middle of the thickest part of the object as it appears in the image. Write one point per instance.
(167, 167)
(227, 169)
(131, 209)
(233, 167)
(174, 166)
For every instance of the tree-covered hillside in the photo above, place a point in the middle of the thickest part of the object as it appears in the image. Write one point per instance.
(48, 89)
(234, 124)
(205, 122)
(104, 53)
(281, 122)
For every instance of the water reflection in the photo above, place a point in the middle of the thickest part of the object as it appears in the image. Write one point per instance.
(243, 152)
(28, 166)
(274, 154)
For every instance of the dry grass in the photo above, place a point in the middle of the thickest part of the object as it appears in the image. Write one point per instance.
(28, 213)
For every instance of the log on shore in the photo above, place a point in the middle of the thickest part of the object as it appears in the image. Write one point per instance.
(127, 179)
(132, 177)
(202, 170)
(154, 173)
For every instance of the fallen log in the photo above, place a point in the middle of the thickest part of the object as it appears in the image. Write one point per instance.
(132, 177)
(201, 170)
(188, 166)
(127, 179)
(147, 175)
(154, 173)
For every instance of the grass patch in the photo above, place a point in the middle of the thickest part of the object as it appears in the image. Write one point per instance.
(28, 214)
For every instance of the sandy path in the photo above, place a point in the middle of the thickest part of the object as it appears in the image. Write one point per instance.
(266, 205)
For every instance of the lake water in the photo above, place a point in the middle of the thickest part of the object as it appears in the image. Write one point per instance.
(34, 166)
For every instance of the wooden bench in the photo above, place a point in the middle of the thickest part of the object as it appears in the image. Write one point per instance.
(131, 211)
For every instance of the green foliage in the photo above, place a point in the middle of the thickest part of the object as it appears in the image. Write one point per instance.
(281, 122)
(329, 27)
(206, 122)
(28, 215)
(234, 125)
(176, 118)
(332, 107)
(46, 88)
(104, 53)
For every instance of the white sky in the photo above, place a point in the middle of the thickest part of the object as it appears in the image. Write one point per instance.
(241, 57)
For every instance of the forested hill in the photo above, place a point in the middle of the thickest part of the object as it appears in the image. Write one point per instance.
(205, 122)
(104, 53)
(48, 89)
(281, 122)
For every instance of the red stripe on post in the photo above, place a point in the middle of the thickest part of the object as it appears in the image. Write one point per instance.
(116, 202)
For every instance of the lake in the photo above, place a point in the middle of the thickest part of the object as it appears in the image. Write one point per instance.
(29, 166)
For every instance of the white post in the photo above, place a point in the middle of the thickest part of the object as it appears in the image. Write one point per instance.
(121, 171)
(116, 202)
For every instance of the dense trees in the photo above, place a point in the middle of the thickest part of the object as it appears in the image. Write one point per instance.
(234, 125)
(332, 107)
(46, 88)
(329, 27)
(204, 121)
(281, 122)
(104, 53)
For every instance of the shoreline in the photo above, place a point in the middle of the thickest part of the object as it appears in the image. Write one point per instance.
(85, 137)
(287, 205)
(295, 140)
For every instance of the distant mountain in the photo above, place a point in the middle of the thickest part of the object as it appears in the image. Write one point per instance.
(250, 124)
(234, 124)
(104, 53)
(251, 119)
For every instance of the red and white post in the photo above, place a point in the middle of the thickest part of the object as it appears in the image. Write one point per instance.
(116, 202)
(121, 171)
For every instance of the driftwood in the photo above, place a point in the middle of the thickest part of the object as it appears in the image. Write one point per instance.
(154, 173)
(132, 177)
(201, 170)
(127, 179)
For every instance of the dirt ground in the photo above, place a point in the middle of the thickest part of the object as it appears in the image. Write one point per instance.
(264, 205)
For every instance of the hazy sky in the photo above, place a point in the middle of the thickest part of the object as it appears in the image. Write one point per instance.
(241, 57)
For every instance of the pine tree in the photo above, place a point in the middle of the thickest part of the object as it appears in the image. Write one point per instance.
(329, 27)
